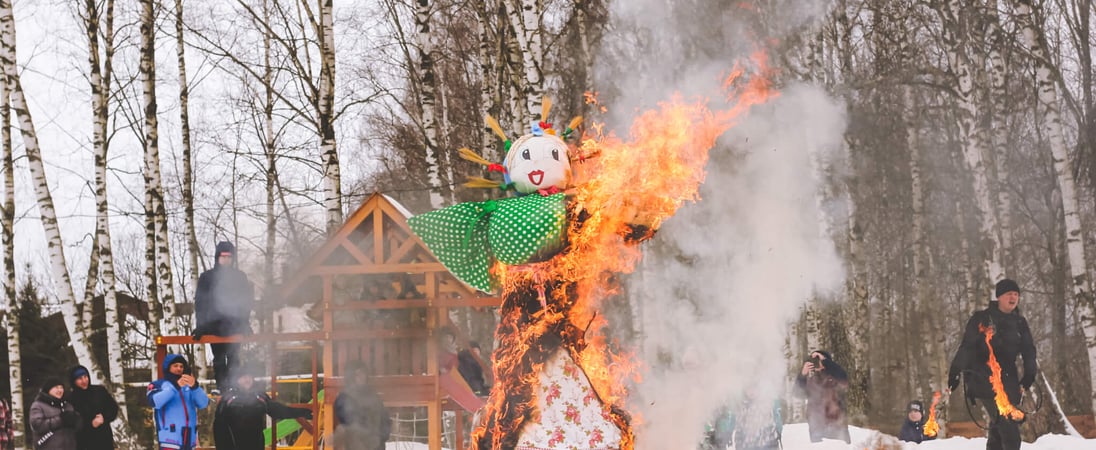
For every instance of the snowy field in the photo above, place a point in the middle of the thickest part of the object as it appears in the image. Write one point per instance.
(795, 437)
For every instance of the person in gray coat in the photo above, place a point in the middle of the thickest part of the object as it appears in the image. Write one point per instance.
(53, 420)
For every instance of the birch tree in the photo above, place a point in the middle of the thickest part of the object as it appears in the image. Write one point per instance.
(427, 99)
(1047, 93)
(156, 210)
(973, 136)
(101, 72)
(998, 98)
(10, 315)
(325, 116)
(194, 250)
(55, 246)
(525, 20)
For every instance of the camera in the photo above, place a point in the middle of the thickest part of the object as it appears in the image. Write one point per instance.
(817, 362)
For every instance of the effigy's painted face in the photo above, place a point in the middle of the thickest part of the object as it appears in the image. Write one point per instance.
(538, 162)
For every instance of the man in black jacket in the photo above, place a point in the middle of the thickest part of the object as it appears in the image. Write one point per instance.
(222, 307)
(1011, 338)
(97, 410)
(241, 414)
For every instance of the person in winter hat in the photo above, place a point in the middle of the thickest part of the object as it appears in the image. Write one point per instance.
(913, 428)
(362, 421)
(824, 383)
(222, 307)
(97, 410)
(241, 413)
(1011, 339)
(53, 420)
(176, 399)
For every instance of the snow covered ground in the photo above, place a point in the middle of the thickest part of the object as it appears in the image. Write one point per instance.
(795, 437)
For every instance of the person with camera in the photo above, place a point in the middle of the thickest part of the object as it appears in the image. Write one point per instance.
(824, 383)
(176, 398)
(53, 420)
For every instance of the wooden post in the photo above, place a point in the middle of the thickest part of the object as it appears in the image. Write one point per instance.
(328, 358)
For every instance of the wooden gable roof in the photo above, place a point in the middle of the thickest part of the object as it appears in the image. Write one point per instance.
(375, 239)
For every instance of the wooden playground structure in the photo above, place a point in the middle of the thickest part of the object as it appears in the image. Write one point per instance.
(383, 299)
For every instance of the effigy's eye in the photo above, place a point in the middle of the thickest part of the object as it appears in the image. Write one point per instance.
(555, 154)
(525, 154)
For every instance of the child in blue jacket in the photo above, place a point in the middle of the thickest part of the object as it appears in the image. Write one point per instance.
(176, 399)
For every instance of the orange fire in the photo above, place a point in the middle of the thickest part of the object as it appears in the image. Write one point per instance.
(619, 198)
(931, 426)
(1004, 406)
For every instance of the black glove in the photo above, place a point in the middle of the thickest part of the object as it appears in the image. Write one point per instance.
(199, 332)
(1027, 381)
(305, 413)
(69, 419)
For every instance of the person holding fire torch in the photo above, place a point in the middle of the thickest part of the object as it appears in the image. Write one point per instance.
(993, 338)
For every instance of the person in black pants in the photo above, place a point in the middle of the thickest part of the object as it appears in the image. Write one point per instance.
(240, 418)
(97, 410)
(222, 307)
(1011, 338)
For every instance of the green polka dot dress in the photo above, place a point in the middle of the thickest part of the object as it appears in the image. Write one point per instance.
(468, 237)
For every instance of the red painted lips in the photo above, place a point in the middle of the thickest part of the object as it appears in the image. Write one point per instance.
(536, 177)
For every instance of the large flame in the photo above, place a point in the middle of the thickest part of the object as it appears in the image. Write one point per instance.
(931, 426)
(1004, 406)
(621, 195)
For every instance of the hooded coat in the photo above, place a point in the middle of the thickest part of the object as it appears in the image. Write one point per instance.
(176, 407)
(240, 419)
(90, 402)
(825, 392)
(223, 298)
(53, 421)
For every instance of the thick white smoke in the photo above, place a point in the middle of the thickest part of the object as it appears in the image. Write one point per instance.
(726, 276)
(724, 279)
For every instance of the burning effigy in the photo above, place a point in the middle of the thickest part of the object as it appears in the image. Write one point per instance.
(556, 250)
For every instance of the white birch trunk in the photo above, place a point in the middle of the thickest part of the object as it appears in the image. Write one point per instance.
(526, 24)
(153, 182)
(488, 147)
(998, 75)
(99, 79)
(271, 157)
(10, 314)
(194, 250)
(428, 98)
(90, 282)
(326, 119)
(55, 246)
(1047, 89)
(974, 145)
